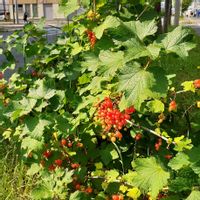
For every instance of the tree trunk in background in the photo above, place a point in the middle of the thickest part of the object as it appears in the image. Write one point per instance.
(170, 12)
(177, 12)
(166, 16)
(158, 10)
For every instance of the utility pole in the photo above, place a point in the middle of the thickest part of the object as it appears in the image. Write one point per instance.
(4, 6)
(177, 12)
(16, 12)
(13, 9)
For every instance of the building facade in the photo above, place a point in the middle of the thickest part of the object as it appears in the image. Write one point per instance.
(35, 9)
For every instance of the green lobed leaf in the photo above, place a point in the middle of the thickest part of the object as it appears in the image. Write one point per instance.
(43, 90)
(141, 29)
(174, 42)
(31, 144)
(134, 49)
(20, 108)
(151, 176)
(78, 195)
(179, 161)
(35, 126)
(156, 106)
(194, 195)
(91, 62)
(70, 7)
(111, 62)
(182, 143)
(111, 175)
(108, 154)
(41, 192)
(140, 85)
(110, 22)
(34, 169)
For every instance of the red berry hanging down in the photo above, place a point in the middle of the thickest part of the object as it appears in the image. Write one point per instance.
(58, 162)
(47, 154)
(63, 142)
(92, 38)
(1, 75)
(130, 110)
(138, 136)
(172, 106)
(158, 144)
(197, 83)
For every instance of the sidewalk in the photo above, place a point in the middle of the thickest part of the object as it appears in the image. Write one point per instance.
(190, 20)
(10, 26)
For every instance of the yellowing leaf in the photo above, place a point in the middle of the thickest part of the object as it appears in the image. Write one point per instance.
(182, 143)
(188, 86)
(99, 165)
(7, 133)
(134, 193)
(198, 104)
(156, 106)
(123, 188)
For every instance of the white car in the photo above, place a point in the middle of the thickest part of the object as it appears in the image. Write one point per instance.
(190, 13)
(2, 17)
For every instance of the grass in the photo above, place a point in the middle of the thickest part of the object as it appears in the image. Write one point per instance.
(186, 70)
(14, 184)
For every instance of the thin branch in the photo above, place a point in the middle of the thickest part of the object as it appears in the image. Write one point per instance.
(188, 109)
(148, 63)
(150, 131)
(120, 156)
(142, 13)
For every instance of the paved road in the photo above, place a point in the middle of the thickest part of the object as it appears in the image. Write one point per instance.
(196, 27)
(51, 35)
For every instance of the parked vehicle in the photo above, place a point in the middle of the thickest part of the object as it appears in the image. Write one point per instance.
(190, 12)
(2, 16)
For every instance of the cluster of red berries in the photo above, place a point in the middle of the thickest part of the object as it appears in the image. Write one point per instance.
(82, 188)
(57, 163)
(65, 142)
(158, 144)
(111, 117)
(197, 83)
(92, 38)
(63, 160)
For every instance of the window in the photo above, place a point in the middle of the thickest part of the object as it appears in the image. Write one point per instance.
(28, 9)
(35, 10)
(20, 8)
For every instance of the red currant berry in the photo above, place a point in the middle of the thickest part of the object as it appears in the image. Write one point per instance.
(63, 142)
(47, 154)
(1, 75)
(75, 165)
(89, 190)
(58, 162)
(197, 83)
(168, 156)
(138, 136)
(172, 106)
